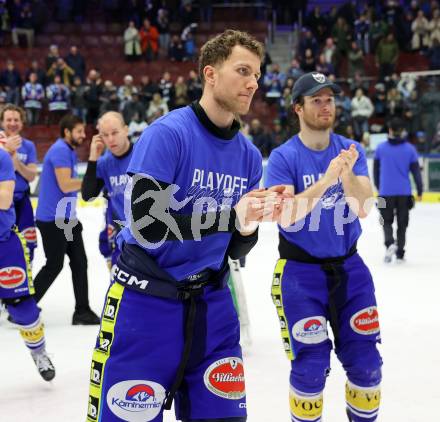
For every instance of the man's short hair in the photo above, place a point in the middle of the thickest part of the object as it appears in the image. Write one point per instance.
(218, 49)
(397, 125)
(69, 121)
(13, 107)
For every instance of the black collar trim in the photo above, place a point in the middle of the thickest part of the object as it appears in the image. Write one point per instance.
(222, 133)
(130, 148)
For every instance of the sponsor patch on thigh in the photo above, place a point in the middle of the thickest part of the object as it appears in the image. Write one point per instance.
(365, 321)
(225, 378)
(311, 330)
(136, 400)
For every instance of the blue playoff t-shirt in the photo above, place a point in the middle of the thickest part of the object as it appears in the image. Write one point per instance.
(395, 163)
(7, 173)
(113, 171)
(321, 233)
(177, 149)
(59, 155)
(27, 154)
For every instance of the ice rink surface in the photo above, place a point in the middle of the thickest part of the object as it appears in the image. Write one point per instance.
(409, 305)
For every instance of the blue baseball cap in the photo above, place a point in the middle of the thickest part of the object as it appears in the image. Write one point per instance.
(311, 83)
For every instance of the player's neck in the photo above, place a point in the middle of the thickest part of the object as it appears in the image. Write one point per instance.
(219, 116)
(317, 140)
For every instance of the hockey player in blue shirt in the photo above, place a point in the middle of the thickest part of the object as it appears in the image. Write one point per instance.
(16, 287)
(393, 162)
(109, 170)
(169, 328)
(320, 279)
(24, 156)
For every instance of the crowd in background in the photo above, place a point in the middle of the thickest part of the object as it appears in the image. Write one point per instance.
(336, 42)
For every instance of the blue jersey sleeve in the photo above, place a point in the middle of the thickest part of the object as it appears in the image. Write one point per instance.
(361, 168)
(414, 155)
(377, 153)
(6, 167)
(61, 158)
(32, 155)
(156, 153)
(257, 174)
(278, 171)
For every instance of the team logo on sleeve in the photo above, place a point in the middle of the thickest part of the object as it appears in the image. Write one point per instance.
(310, 330)
(136, 400)
(366, 321)
(12, 277)
(225, 378)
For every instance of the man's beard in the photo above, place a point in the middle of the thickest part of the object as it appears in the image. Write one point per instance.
(75, 143)
(228, 105)
(324, 126)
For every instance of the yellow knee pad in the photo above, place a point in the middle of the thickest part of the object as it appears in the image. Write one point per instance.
(362, 401)
(307, 407)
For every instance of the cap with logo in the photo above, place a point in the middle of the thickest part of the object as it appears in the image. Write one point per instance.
(311, 83)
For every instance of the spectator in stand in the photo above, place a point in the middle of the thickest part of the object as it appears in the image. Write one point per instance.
(379, 100)
(76, 62)
(434, 27)
(433, 55)
(190, 48)
(279, 135)
(92, 95)
(362, 32)
(392, 81)
(420, 29)
(146, 90)
(394, 103)
(77, 98)
(109, 98)
(323, 67)
(294, 70)
(181, 93)
(4, 20)
(166, 89)
(329, 51)
(176, 51)
(361, 110)
(23, 25)
(403, 31)
(378, 30)
(260, 138)
(344, 101)
(387, 54)
(132, 43)
(11, 82)
(157, 108)
(131, 107)
(163, 26)
(341, 120)
(35, 68)
(58, 96)
(61, 69)
(355, 60)
(406, 85)
(32, 94)
(194, 86)
(136, 127)
(284, 105)
(126, 91)
(318, 23)
(308, 62)
(149, 36)
(188, 15)
(342, 37)
(52, 56)
(308, 41)
(411, 113)
(274, 76)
